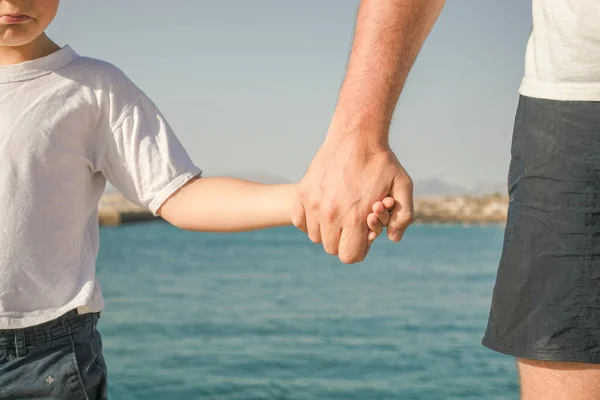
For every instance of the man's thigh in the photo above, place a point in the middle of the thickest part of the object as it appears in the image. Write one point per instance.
(548, 380)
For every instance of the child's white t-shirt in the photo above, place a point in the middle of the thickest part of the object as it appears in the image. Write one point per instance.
(67, 125)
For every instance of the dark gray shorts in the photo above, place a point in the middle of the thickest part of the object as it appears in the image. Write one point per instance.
(546, 303)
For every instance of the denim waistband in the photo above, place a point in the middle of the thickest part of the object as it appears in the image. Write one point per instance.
(60, 327)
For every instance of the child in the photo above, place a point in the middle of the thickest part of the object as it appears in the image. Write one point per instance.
(67, 125)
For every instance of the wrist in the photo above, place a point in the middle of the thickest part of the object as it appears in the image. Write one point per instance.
(284, 196)
(365, 129)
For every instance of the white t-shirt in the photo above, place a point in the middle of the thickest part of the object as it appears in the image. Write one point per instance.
(563, 52)
(67, 124)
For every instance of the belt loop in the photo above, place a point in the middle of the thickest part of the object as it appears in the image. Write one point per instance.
(20, 344)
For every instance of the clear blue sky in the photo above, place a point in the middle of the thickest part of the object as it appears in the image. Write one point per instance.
(251, 86)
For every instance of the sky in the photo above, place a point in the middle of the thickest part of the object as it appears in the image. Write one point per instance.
(250, 87)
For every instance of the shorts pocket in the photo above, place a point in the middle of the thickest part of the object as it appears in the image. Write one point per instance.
(47, 371)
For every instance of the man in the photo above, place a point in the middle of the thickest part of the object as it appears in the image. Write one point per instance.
(546, 305)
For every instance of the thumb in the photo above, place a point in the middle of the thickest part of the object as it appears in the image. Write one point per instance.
(402, 215)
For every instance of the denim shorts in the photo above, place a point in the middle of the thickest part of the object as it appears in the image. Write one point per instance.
(546, 301)
(61, 359)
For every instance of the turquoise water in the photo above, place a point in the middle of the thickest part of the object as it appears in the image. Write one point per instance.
(268, 315)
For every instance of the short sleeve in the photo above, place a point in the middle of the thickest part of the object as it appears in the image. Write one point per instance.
(144, 159)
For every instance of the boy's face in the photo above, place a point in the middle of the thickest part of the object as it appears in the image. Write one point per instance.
(23, 21)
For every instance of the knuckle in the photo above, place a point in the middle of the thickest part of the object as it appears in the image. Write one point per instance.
(409, 219)
(302, 193)
(308, 199)
(329, 212)
(404, 220)
(314, 202)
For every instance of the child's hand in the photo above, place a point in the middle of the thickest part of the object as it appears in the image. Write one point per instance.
(379, 218)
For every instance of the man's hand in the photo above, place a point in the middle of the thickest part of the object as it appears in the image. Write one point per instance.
(336, 195)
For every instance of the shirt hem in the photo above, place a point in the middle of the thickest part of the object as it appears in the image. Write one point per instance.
(525, 352)
(28, 320)
(560, 91)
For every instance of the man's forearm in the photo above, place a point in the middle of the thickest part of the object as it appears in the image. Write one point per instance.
(389, 35)
(229, 205)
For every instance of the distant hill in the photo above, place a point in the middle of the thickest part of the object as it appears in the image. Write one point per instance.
(437, 187)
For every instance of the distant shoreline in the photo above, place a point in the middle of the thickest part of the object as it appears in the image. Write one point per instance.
(114, 210)
(491, 209)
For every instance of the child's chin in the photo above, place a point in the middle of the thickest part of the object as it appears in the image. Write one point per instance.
(17, 35)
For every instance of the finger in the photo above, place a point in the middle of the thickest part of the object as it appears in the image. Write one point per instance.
(367, 249)
(331, 226)
(371, 237)
(331, 239)
(388, 203)
(299, 215)
(310, 206)
(403, 211)
(353, 243)
(314, 230)
(374, 224)
(381, 213)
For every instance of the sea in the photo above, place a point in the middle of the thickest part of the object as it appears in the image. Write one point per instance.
(269, 315)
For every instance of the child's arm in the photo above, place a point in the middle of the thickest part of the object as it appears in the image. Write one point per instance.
(229, 205)
(235, 205)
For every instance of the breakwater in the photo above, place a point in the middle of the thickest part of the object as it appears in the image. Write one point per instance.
(115, 210)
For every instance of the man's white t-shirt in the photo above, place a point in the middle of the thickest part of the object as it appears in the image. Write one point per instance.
(67, 125)
(563, 52)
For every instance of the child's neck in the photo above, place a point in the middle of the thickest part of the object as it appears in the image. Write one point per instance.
(40, 47)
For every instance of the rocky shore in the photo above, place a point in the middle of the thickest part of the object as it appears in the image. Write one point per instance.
(114, 210)
(462, 209)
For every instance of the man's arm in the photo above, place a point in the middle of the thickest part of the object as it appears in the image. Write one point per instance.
(355, 165)
(388, 37)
